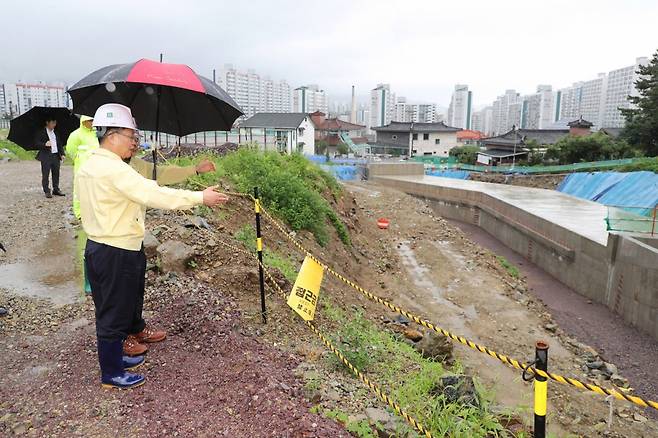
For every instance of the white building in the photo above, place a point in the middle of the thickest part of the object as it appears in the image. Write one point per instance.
(483, 120)
(255, 93)
(282, 132)
(621, 84)
(382, 105)
(418, 139)
(459, 111)
(568, 102)
(538, 110)
(309, 99)
(18, 98)
(598, 100)
(363, 117)
(414, 112)
(506, 112)
(592, 99)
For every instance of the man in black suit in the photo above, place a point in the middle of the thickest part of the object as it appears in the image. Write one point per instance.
(51, 153)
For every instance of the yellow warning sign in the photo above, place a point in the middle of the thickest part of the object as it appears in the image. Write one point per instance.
(306, 290)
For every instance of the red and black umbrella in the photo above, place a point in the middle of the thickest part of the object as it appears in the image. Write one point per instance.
(169, 98)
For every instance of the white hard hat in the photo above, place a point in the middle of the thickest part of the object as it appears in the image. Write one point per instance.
(114, 115)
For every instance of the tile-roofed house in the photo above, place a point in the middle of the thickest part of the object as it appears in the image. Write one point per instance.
(334, 131)
(469, 137)
(409, 138)
(580, 127)
(519, 138)
(284, 132)
(515, 143)
(416, 127)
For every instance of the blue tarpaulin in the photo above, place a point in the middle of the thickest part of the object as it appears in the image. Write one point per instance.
(344, 173)
(590, 185)
(632, 189)
(456, 174)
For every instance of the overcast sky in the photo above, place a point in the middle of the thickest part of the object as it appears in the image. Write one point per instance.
(422, 48)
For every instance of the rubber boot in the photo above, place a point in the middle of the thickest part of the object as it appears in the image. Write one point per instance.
(132, 362)
(113, 375)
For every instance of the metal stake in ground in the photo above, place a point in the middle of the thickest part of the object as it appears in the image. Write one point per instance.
(541, 389)
(259, 248)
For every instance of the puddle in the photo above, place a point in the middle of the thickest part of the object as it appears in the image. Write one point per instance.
(52, 273)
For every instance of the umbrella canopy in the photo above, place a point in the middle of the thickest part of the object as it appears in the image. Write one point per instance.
(23, 128)
(168, 98)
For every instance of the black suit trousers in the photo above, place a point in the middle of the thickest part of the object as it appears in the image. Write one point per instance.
(49, 164)
(117, 282)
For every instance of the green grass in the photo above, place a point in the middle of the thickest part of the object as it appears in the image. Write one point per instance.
(360, 429)
(409, 379)
(247, 235)
(15, 152)
(510, 268)
(648, 164)
(291, 187)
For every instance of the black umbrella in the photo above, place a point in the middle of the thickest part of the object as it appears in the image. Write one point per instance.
(23, 128)
(169, 98)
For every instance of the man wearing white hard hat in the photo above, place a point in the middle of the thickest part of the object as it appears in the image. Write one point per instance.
(113, 200)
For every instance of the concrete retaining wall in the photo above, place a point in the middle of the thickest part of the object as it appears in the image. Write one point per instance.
(387, 169)
(622, 274)
(633, 286)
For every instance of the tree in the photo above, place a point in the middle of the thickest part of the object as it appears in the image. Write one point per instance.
(594, 147)
(342, 149)
(642, 121)
(465, 154)
(320, 147)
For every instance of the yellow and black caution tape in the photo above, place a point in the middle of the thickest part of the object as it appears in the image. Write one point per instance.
(501, 357)
(372, 386)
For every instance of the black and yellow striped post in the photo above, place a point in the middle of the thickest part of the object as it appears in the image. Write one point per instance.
(259, 249)
(541, 389)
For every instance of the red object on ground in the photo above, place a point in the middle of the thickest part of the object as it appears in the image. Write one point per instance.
(383, 223)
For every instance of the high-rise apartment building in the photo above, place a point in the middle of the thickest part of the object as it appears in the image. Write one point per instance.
(459, 111)
(308, 99)
(483, 120)
(18, 98)
(538, 110)
(506, 112)
(621, 84)
(414, 112)
(382, 105)
(255, 93)
(598, 100)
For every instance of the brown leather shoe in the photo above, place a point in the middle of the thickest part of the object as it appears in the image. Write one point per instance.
(132, 347)
(149, 335)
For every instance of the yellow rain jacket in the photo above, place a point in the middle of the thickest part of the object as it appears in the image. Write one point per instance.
(79, 146)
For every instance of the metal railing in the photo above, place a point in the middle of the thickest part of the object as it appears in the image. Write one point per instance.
(632, 219)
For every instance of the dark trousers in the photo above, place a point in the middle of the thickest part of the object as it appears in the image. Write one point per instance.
(117, 286)
(50, 164)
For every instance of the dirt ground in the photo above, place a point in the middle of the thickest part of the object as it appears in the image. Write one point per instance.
(458, 284)
(538, 181)
(211, 377)
(221, 372)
